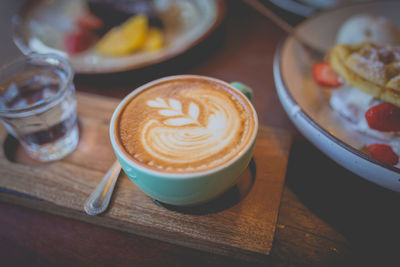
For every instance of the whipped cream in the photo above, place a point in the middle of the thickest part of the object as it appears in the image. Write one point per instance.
(352, 104)
(364, 27)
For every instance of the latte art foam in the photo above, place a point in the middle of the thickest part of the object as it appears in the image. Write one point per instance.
(185, 126)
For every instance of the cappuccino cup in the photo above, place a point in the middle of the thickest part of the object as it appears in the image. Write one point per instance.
(184, 140)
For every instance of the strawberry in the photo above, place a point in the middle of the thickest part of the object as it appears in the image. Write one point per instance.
(384, 117)
(324, 75)
(75, 42)
(88, 21)
(383, 153)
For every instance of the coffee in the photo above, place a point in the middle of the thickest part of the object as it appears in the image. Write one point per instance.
(185, 125)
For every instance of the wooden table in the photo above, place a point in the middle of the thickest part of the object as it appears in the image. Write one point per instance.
(328, 216)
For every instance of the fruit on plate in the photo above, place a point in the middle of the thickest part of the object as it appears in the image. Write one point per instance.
(366, 78)
(122, 27)
(324, 75)
(113, 13)
(78, 41)
(154, 40)
(364, 68)
(89, 21)
(124, 39)
(383, 153)
(384, 117)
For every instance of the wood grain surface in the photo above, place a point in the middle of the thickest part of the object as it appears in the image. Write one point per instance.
(241, 223)
(327, 217)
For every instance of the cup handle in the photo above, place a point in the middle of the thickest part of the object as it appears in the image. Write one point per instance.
(247, 91)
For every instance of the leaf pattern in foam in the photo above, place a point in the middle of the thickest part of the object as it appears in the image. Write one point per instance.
(169, 112)
(175, 104)
(174, 109)
(157, 103)
(194, 111)
(179, 121)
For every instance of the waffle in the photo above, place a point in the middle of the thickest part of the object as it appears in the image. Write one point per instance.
(371, 68)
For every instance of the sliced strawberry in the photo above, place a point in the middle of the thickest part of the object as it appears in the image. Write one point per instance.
(79, 41)
(384, 117)
(383, 153)
(88, 21)
(324, 75)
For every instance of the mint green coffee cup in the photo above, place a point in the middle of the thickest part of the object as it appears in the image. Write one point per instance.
(197, 146)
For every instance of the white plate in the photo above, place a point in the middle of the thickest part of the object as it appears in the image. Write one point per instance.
(306, 8)
(40, 26)
(308, 107)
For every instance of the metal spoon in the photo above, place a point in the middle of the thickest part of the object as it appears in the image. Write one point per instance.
(100, 198)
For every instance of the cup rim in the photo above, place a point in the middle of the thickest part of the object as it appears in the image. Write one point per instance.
(121, 153)
(43, 58)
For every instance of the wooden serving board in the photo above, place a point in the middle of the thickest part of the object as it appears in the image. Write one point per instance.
(241, 223)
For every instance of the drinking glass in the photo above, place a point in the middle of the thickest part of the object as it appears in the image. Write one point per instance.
(38, 106)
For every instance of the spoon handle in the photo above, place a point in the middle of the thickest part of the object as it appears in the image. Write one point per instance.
(100, 198)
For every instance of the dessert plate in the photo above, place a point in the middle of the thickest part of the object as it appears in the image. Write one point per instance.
(40, 26)
(308, 107)
(306, 8)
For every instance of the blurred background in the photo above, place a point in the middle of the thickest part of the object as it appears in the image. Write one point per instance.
(8, 50)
